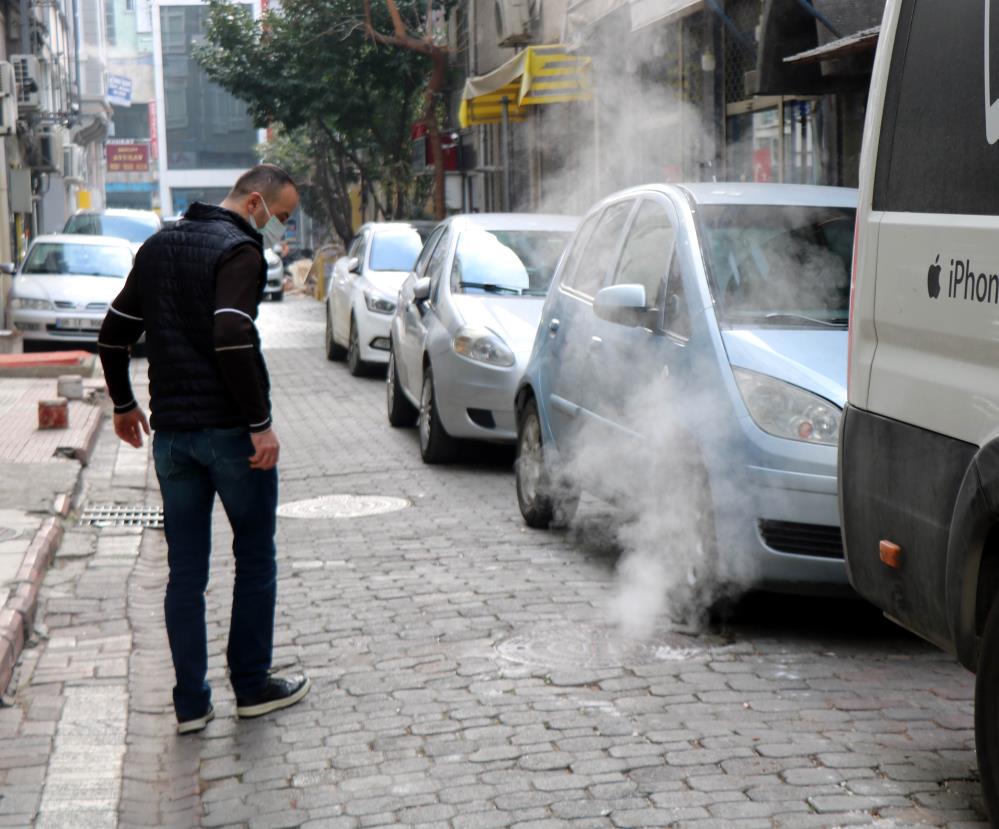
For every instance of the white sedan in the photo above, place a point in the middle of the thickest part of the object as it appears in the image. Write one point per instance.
(363, 292)
(62, 291)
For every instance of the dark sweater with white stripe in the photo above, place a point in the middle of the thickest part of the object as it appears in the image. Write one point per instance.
(227, 387)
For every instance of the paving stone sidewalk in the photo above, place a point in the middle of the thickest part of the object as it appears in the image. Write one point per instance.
(465, 671)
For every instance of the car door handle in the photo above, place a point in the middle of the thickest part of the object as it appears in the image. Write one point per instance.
(595, 341)
(554, 325)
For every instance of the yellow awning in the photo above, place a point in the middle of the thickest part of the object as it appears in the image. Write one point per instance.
(537, 75)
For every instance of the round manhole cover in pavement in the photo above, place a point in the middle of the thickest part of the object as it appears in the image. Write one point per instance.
(570, 645)
(343, 506)
(8, 534)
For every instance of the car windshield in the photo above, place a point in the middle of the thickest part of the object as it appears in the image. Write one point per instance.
(133, 228)
(779, 265)
(514, 262)
(394, 250)
(78, 260)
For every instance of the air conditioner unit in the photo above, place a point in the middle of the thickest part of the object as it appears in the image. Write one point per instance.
(74, 165)
(513, 22)
(8, 99)
(50, 151)
(27, 76)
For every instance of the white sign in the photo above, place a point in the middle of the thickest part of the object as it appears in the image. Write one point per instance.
(120, 90)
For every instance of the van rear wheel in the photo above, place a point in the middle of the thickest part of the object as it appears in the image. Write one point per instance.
(544, 500)
(987, 713)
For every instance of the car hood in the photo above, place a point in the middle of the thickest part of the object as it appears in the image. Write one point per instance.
(515, 319)
(78, 289)
(387, 282)
(813, 360)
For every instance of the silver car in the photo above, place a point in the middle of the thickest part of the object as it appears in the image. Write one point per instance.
(464, 325)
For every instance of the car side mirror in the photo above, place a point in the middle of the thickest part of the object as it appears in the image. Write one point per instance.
(353, 265)
(8, 268)
(622, 304)
(421, 289)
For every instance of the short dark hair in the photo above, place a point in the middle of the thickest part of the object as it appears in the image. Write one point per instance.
(266, 179)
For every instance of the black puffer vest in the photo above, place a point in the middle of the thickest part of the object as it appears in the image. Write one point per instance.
(177, 267)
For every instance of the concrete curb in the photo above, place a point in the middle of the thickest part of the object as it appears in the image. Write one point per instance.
(17, 617)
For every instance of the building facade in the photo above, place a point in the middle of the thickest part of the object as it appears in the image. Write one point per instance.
(657, 90)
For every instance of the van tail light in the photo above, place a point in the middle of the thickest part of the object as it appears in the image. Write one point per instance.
(854, 273)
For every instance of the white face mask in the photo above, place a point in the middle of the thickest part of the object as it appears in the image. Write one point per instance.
(273, 230)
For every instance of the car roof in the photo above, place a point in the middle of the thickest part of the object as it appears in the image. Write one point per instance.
(117, 211)
(388, 226)
(515, 221)
(82, 239)
(803, 195)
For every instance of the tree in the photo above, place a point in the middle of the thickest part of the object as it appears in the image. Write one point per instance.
(343, 103)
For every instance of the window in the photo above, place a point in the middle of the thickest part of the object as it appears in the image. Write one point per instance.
(597, 255)
(109, 24)
(647, 252)
(436, 265)
(779, 265)
(677, 320)
(512, 262)
(130, 5)
(934, 154)
(428, 249)
(394, 250)
(58, 258)
(578, 245)
(206, 127)
(131, 122)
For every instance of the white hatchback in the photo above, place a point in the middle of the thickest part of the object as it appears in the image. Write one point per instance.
(62, 291)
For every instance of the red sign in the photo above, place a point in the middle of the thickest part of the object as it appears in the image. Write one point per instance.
(154, 139)
(128, 158)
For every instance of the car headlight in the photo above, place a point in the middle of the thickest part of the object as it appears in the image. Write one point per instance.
(787, 411)
(483, 346)
(24, 304)
(378, 304)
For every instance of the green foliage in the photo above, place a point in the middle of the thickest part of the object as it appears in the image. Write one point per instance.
(343, 103)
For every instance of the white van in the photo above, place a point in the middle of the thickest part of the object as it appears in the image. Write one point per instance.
(919, 447)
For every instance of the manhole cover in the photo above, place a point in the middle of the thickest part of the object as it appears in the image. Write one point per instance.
(568, 645)
(342, 506)
(122, 515)
(8, 534)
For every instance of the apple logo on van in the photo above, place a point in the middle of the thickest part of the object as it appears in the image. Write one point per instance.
(933, 279)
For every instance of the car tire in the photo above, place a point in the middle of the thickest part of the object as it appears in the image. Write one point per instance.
(334, 352)
(436, 445)
(401, 412)
(278, 297)
(545, 500)
(987, 712)
(356, 366)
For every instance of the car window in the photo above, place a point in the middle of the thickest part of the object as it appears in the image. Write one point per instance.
(435, 267)
(58, 258)
(937, 150)
(576, 248)
(647, 251)
(132, 228)
(428, 250)
(597, 255)
(511, 262)
(677, 320)
(362, 248)
(779, 265)
(394, 250)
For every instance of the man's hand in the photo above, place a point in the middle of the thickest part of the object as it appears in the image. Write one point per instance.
(130, 426)
(266, 450)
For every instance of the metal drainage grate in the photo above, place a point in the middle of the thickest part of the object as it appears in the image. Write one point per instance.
(343, 506)
(123, 515)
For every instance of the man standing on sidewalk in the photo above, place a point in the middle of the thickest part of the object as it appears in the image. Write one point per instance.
(194, 290)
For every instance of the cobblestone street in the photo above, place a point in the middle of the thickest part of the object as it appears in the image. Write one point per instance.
(465, 672)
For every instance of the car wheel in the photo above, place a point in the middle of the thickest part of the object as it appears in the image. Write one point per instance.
(400, 411)
(334, 352)
(436, 445)
(544, 499)
(278, 297)
(987, 712)
(355, 364)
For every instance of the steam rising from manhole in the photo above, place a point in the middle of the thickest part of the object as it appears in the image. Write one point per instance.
(343, 506)
(568, 645)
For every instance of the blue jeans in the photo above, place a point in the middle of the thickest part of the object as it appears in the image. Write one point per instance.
(192, 467)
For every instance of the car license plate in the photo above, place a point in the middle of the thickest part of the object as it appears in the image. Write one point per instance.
(78, 323)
